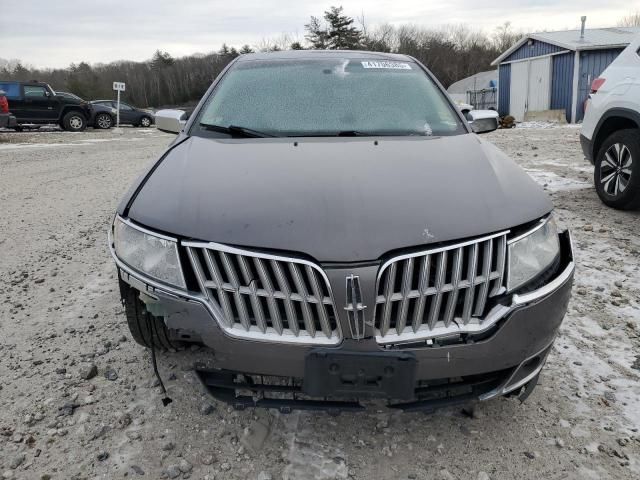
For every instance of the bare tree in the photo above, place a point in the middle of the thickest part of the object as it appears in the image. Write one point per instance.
(631, 20)
(380, 39)
(504, 36)
(275, 44)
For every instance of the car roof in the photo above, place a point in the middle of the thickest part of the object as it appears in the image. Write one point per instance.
(29, 82)
(317, 54)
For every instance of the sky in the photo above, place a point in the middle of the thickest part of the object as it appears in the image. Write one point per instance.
(45, 33)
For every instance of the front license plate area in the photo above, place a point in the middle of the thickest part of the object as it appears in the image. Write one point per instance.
(377, 374)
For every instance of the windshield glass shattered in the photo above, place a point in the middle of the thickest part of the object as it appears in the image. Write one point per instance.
(328, 97)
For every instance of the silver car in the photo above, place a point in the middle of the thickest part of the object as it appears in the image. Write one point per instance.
(329, 225)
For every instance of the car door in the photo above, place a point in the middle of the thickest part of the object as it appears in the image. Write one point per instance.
(39, 105)
(106, 103)
(127, 113)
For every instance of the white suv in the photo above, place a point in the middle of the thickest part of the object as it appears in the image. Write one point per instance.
(610, 134)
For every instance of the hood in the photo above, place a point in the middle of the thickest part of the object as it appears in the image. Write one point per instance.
(71, 101)
(342, 200)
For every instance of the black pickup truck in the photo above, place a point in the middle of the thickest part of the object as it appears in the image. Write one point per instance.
(37, 103)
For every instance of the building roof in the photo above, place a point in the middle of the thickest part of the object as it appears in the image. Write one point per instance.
(594, 39)
(474, 82)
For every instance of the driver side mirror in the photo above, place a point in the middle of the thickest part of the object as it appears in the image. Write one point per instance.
(483, 121)
(171, 121)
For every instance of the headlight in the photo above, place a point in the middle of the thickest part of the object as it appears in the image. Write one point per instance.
(152, 254)
(532, 254)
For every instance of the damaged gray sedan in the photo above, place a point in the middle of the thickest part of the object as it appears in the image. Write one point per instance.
(330, 226)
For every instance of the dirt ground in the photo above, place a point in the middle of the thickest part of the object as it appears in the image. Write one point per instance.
(60, 314)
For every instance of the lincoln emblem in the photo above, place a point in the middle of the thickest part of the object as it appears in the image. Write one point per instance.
(354, 307)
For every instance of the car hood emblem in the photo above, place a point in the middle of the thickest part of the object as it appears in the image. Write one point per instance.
(354, 307)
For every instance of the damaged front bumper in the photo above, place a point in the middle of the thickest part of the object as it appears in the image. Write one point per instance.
(506, 361)
(242, 391)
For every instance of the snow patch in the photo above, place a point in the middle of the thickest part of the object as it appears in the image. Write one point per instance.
(20, 146)
(554, 182)
(538, 125)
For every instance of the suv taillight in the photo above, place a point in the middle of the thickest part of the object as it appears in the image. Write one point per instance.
(4, 104)
(596, 84)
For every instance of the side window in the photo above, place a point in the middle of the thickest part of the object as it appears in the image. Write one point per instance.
(123, 106)
(10, 89)
(32, 91)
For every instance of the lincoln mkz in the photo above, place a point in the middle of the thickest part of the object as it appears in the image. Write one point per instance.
(333, 229)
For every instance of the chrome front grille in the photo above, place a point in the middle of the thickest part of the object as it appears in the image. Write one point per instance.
(266, 297)
(439, 291)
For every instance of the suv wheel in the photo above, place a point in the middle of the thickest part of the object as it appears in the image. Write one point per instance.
(145, 328)
(103, 121)
(145, 122)
(617, 170)
(74, 122)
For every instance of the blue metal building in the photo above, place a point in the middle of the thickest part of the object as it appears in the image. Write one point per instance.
(554, 70)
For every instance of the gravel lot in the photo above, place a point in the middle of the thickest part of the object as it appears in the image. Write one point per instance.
(60, 314)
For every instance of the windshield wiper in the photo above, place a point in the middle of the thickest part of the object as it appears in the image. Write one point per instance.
(235, 131)
(358, 133)
(352, 133)
(341, 133)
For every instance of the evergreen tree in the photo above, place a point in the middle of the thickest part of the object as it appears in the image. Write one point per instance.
(246, 49)
(317, 35)
(20, 72)
(338, 33)
(342, 34)
(161, 60)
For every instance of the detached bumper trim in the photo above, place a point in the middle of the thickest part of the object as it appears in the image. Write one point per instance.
(550, 287)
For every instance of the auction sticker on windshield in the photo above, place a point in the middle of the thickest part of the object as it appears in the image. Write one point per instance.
(386, 64)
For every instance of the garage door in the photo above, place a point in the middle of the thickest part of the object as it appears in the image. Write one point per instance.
(518, 91)
(530, 89)
(539, 85)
